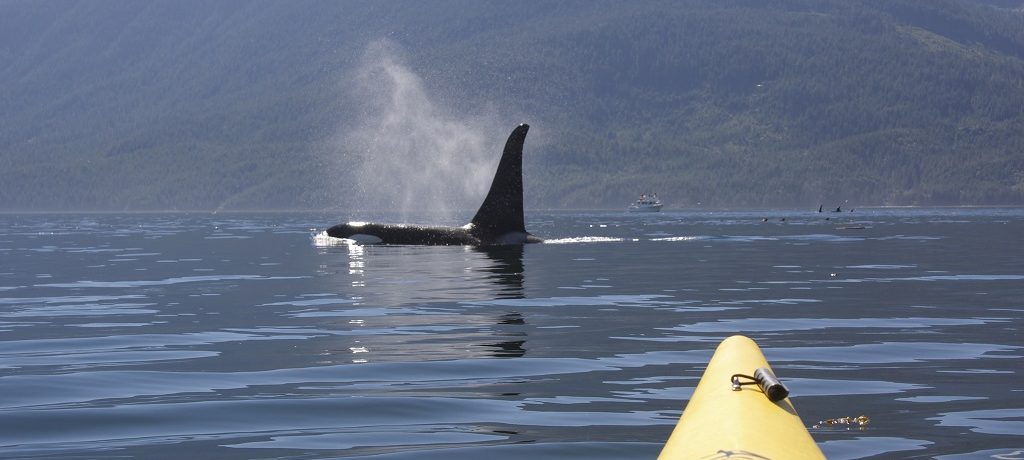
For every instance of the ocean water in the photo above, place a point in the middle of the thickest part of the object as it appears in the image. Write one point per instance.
(243, 336)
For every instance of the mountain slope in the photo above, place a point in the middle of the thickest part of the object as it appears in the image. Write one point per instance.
(241, 105)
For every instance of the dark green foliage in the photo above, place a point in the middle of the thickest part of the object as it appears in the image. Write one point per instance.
(234, 105)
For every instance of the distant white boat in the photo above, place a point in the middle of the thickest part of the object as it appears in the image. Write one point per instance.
(647, 202)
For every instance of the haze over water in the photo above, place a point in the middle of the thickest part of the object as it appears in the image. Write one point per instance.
(234, 336)
(412, 151)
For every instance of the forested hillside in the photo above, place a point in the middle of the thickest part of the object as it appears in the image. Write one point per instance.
(180, 104)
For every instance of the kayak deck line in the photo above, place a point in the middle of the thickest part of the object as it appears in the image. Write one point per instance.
(729, 418)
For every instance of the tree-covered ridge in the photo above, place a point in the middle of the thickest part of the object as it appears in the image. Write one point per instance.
(207, 105)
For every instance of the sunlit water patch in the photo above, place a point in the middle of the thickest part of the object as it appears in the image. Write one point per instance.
(587, 239)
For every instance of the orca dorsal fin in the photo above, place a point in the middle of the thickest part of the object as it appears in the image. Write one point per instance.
(502, 210)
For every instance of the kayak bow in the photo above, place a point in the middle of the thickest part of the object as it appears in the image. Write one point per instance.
(730, 417)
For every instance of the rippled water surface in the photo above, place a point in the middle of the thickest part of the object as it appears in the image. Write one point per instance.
(242, 336)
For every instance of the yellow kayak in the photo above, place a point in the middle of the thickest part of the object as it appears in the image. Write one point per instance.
(732, 413)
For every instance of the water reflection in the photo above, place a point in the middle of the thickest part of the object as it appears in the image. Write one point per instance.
(506, 271)
(402, 275)
(511, 348)
(417, 301)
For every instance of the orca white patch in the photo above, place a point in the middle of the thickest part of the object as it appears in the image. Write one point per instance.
(362, 238)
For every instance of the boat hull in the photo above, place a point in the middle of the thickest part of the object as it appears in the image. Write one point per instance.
(720, 423)
(656, 208)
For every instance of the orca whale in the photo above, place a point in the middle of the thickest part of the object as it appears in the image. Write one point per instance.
(499, 221)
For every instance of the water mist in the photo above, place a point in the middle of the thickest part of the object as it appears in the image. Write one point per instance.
(408, 155)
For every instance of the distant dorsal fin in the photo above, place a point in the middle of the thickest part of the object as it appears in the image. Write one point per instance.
(502, 210)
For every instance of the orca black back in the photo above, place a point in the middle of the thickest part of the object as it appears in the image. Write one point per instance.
(502, 210)
(499, 221)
